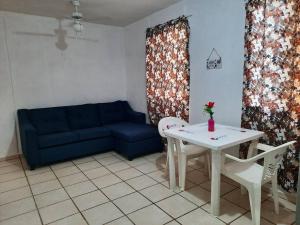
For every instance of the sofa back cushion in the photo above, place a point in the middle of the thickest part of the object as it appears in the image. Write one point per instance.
(49, 120)
(112, 112)
(83, 116)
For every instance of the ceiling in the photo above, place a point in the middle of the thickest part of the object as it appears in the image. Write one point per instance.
(109, 12)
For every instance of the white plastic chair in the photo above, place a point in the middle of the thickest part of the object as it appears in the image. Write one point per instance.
(184, 151)
(252, 175)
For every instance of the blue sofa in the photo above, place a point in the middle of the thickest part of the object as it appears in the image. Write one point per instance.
(51, 135)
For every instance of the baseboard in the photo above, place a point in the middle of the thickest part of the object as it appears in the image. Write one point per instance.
(16, 156)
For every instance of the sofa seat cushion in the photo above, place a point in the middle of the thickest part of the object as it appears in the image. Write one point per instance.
(50, 140)
(133, 132)
(83, 116)
(93, 133)
(49, 120)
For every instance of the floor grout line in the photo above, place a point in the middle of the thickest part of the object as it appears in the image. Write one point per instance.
(220, 197)
(139, 192)
(70, 199)
(31, 192)
(121, 159)
(243, 214)
(107, 197)
(17, 187)
(17, 199)
(17, 169)
(4, 220)
(12, 180)
(69, 186)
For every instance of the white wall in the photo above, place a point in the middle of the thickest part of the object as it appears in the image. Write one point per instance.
(35, 73)
(111, 65)
(214, 24)
(8, 144)
(221, 25)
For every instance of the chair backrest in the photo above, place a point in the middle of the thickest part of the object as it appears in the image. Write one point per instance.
(273, 158)
(169, 123)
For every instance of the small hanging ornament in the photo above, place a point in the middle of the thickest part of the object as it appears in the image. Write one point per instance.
(214, 60)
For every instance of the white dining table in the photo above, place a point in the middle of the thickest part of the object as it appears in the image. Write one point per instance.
(224, 137)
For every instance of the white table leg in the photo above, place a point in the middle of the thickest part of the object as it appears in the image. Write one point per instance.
(179, 162)
(182, 161)
(215, 182)
(172, 175)
(252, 151)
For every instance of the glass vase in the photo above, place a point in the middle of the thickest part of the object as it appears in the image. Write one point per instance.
(211, 125)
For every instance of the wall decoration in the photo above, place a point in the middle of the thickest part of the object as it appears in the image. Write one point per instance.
(271, 99)
(168, 70)
(214, 60)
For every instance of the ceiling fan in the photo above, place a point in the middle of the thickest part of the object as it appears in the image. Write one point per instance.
(60, 34)
(77, 17)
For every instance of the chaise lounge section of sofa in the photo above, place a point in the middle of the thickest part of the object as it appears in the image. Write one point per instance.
(50, 135)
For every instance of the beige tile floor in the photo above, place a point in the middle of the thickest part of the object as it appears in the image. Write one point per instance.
(108, 189)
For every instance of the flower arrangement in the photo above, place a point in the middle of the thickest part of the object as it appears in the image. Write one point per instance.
(208, 108)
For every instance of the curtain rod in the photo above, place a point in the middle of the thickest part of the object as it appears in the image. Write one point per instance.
(188, 16)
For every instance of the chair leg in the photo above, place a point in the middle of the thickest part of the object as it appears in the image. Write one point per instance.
(275, 194)
(208, 165)
(243, 190)
(251, 201)
(182, 170)
(255, 202)
(167, 164)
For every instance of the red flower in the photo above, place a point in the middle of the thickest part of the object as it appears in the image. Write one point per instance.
(209, 109)
(210, 104)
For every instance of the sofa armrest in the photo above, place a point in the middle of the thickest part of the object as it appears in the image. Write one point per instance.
(137, 117)
(29, 139)
(133, 116)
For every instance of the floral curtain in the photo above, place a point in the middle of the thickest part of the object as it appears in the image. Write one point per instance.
(168, 70)
(271, 101)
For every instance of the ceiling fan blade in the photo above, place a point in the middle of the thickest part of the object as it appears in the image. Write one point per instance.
(83, 39)
(34, 34)
(68, 17)
(69, 24)
(98, 20)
